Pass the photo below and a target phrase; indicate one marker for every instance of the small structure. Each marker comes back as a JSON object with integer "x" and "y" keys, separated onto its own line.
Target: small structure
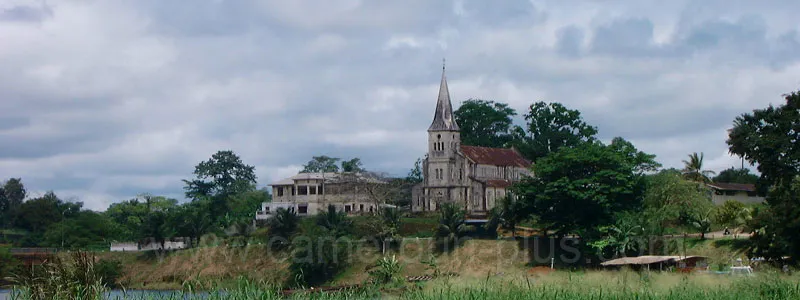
{"x": 124, "y": 247}
{"x": 657, "y": 262}
{"x": 741, "y": 192}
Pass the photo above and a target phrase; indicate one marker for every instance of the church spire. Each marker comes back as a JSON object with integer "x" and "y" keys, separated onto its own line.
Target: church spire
{"x": 443, "y": 119}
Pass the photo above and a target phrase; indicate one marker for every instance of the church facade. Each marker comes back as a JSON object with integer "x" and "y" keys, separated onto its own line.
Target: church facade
{"x": 474, "y": 178}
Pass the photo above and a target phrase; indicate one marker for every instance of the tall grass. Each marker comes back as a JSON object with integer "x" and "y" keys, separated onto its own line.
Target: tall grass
{"x": 70, "y": 277}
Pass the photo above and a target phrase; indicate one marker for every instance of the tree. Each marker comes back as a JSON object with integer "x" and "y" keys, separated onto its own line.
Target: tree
{"x": 768, "y": 138}
{"x": 693, "y": 169}
{"x": 415, "y": 174}
{"x": 642, "y": 162}
{"x": 671, "y": 200}
{"x": 550, "y": 127}
{"x": 12, "y": 194}
{"x": 622, "y": 237}
{"x": 733, "y": 175}
{"x": 282, "y": 226}
{"x": 321, "y": 164}
{"x": 219, "y": 178}
{"x": 36, "y": 214}
{"x": 85, "y": 229}
{"x": 353, "y": 165}
{"x": 733, "y": 214}
{"x": 580, "y": 189}
{"x": 452, "y": 227}
{"x": 484, "y": 123}
{"x": 507, "y": 214}
{"x": 192, "y": 220}
{"x": 702, "y": 222}
{"x": 336, "y": 223}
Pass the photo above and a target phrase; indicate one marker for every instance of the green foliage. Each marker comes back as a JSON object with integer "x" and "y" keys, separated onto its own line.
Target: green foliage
{"x": 452, "y": 227}
{"x": 507, "y": 213}
{"x": 12, "y": 194}
{"x": 223, "y": 176}
{"x": 415, "y": 174}
{"x": 86, "y": 230}
{"x": 703, "y": 222}
{"x": 693, "y": 169}
{"x": 484, "y": 123}
{"x": 36, "y": 214}
{"x": 624, "y": 236}
{"x": 318, "y": 254}
{"x": 281, "y": 227}
{"x": 733, "y": 175}
{"x": 321, "y": 164}
{"x": 580, "y": 189}
{"x": 109, "y": 271}
{"x": 353, "y": 165}
{"x": 768, "y": 138}
{"x": 733, "y": 213}
{"x": 549, "y": 128}
{"x": 670, "y": 201}
{"x": 8, "y": 263}
{"x": 72, "y": 277}
{"x": 387, "y": 270}
{"x": 336, "y": 223}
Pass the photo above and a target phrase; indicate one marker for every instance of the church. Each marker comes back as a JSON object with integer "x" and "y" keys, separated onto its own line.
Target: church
{"x": 474, "y": 178}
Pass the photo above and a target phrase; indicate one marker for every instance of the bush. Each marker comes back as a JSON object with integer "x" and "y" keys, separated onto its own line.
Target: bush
{"x": 387, "y": 271}
{"x": 8, "y": 264}
{"x": 109, "y": 271}
{"x": 318, "y": 255}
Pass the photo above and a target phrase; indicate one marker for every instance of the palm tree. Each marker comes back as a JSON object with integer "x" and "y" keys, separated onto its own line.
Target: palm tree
{"x": 282, "y": 226}
{"x": 693, "y": 169}
{"x": 452, "y": 226}
{"x": 335, "y": 222}
{"x": 391, "y": 226}
{"x": 702, "y": 222}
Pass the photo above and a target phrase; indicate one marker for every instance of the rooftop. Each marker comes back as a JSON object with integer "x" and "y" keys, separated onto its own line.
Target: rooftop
{"x": 747, "y": 187}
{"x": 330, "y": 177}
{"x": 495, "y": 156}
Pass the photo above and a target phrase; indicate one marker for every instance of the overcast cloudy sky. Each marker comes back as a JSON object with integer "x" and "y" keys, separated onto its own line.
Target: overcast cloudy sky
{"x": 101, "y": 100}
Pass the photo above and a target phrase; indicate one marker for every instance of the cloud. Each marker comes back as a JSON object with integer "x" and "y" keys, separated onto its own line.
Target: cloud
{"x": 102, "y": 100}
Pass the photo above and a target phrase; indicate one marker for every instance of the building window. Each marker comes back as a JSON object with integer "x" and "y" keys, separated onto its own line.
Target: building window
{"x": 302, "y": 209}
{"x": 347, "y": 208}
{"x": 292, "y": 190}
{"x": 302, "y": 190}
{"x": 279, "y": 191}
{"x": 312, "y": 190}
{"x": 361, "y": 207}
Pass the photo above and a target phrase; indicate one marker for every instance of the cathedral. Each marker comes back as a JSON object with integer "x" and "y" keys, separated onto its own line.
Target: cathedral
{"x": 474, "y": 178}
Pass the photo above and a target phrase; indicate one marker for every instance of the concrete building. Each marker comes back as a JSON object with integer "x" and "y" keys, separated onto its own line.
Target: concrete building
{"x": 741, "y": 192}
{"x": 474, "y": 178}
{"x": 310, "y": 193}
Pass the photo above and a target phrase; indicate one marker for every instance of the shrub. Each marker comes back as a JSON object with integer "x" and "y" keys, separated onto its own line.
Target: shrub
{"x": 387, "y": 271}
{"x": 109, "y": 271}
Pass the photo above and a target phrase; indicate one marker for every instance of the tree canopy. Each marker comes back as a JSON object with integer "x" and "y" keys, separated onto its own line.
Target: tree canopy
{"x": 485, "y": 123}
{"x": 693, "y": 169}
{"x": 218, "y": 179}
{"x": 321, "y": 163}
{"x": 734, "y": 175}
{"x": 550, "y": 127}
{"x": 578, "y": 189}
{"x": 769, "y": 139}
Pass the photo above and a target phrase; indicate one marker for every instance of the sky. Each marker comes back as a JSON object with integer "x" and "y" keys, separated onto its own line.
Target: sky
{"x": 103, "y": 100}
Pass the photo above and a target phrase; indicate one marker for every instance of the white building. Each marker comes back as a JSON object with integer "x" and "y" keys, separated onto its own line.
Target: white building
{"x": 741, "y": 192}
{"x": 475, "y": 178}
{"x": 310, "y": 193}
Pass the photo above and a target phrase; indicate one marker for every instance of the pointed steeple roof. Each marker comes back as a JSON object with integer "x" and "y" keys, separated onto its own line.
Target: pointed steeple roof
{"x": 443, "y": 119}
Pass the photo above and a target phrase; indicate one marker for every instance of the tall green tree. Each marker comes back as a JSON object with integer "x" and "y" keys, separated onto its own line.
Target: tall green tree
{"x": 693, "y": 169}
{"x": 87, "y": 229}
{"x": 353, "y": 165}
{"x": 321, "y": 163}
{"x": 415, "y": 174}
{"x": 452, "y": 227}
{"x": 220, "y": 178}
{"x": 12, "y": 194}
{"x": 768, "y": 138}
{"x": 549, "y": 128}
{"x": 578, "y": 189}
{"x": 282, "y": 226}
{"x": 734, "y": 175}
{"x": 671, "y": 201}
{"x": 485, "y": 123}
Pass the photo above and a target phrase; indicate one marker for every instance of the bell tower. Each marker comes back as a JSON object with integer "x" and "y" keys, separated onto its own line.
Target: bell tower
{"x": 444, "y": 141}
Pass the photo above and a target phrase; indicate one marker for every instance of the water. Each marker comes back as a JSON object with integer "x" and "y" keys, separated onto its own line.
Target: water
{"x": 131, "y": 294}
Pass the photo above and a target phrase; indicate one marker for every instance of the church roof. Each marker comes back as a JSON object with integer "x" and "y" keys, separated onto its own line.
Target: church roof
{"x": 495, "y": 156}
{"x": 443, "y": 119}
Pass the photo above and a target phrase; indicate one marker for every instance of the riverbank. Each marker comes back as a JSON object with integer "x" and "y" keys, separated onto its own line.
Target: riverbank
{"x": 206, "y": 268}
